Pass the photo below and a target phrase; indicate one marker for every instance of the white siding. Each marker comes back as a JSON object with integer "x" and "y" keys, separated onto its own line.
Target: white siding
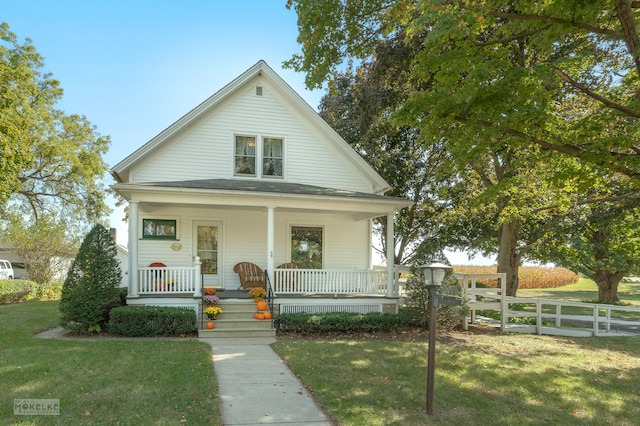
{"x": 205, "y": 150}
{"x": 244, "y": 238}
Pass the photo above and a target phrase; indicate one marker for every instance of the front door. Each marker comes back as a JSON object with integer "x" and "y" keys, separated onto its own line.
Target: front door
{"x": 208, "y": 245}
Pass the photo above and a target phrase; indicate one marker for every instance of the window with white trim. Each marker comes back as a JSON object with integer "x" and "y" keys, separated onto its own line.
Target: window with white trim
{"x": 272, "y": 157}
{"x": 245, "y": 156}
{"x": 306, "y": 246}
{"x": 251, "y": 151}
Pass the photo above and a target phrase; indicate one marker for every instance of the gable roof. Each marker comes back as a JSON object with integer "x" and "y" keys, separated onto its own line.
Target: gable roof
{"x": 261, "y": 68}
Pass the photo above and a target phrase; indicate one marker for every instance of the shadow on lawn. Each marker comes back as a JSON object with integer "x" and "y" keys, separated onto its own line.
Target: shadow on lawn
{"x": 498, "y": 379}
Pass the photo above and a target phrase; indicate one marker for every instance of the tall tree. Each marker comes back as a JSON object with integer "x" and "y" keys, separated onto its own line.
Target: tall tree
{"x": 42, "y": 245}
{"x": 51, "y": 161}
{"x": 581, "y": 100}
{"x": 557, "y": 76}
{"x": 359, "y": 106}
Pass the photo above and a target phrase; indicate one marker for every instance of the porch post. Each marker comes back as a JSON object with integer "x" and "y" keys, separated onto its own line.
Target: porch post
{"x": 133, "y": 248}
{"x": 390, "y": 255}
{"x": 270, "y": 241}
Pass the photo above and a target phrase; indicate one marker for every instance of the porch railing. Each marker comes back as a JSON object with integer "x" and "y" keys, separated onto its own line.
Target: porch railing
{"x": 330, "y": 281}
{"x": 169, "y": 280}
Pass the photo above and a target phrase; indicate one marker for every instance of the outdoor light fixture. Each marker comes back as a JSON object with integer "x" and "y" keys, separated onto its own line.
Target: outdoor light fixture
{"x": 433, "y": 274}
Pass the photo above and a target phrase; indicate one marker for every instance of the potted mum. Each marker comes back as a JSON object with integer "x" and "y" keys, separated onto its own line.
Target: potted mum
{"x": 210, "y": 300}
{"x": 213, "y": 311}
{"x": 257, "y": 293}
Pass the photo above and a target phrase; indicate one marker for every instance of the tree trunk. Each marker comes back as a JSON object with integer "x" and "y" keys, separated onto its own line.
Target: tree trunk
{"x": 508, "y": 258}
{"x": 607, "y": 285}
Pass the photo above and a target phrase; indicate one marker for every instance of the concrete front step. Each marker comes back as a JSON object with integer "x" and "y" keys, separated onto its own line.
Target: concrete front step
{"x": 237, "y": 333}
{"x": 237, "y": 321}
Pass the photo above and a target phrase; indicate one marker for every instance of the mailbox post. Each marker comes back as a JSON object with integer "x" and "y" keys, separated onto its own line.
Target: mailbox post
{"x": 434, "y": 274}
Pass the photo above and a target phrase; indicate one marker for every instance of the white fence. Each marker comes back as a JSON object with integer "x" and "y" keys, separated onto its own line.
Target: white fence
{"x": 168, "y": 280}
{"x": 549, "y": 316}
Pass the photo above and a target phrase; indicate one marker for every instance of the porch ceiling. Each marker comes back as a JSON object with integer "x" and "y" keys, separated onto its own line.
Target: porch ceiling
{"x": 232, "y": 193}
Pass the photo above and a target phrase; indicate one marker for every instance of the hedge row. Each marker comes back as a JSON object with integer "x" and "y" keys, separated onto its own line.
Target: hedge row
{"x": 149, "y": 321}
{"x": 16, "y": 291}
{"x": 342, "y": 322}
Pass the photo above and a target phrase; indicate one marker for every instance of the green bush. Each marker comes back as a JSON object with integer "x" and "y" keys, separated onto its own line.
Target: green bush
{"x": 91, "y": 289}
{"x": 52, "y": 291}
{"x": 341, "y": 322}
{"x": 417, "y": 302}
{"x": 148, "y": 321}
{"x": 16, "y": 291}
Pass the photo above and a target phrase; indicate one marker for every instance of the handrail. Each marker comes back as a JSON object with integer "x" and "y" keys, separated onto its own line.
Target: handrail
{"x": 270, "y": 294}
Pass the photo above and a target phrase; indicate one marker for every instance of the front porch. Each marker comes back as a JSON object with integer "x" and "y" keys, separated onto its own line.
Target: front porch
{"x": 294, "y": 290}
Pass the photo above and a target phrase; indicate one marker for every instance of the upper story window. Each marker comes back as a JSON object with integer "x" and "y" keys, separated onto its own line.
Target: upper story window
{"x": 272, "y": 157}
{"x": 250, "y": 151}
{"x": 245, "y": 157}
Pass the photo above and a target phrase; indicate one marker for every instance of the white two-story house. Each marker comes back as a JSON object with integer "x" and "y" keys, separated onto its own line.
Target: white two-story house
{"x": 253, "y": 174}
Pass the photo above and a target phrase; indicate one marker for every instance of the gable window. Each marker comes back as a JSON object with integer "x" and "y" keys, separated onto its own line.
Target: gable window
{"x": 306, "y": 246}
{"x": 272, "y": 157}
{"x": 245, "y": 156}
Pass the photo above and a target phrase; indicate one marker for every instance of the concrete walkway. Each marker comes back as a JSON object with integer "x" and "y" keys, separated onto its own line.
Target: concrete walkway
{"x": 256, "y": 387}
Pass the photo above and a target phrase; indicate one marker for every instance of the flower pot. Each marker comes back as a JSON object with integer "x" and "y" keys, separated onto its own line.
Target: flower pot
{"x": 210, "y": 325}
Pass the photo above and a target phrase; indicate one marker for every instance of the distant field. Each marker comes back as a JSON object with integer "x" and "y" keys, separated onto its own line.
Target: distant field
{"x": 528, "y": 276}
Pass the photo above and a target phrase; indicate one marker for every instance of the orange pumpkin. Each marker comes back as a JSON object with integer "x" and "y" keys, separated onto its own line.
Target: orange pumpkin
{"x": 267, "y": 315}
{"x": 210, "y": 291}
{"x": 210, "y": 325}
{"x": 256, "y": 315}
{"x": 262, "y": 305}
{"x": 259, "y": 316}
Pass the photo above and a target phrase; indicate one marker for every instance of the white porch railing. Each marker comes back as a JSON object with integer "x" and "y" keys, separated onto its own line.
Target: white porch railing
{"x": 373, "y": 282}
{"x": 169, "y": 280}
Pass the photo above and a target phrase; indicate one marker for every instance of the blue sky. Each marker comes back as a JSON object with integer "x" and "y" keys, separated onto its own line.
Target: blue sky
{"x": 134, "y": 67}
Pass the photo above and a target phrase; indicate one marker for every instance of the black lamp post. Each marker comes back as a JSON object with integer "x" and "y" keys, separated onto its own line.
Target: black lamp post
{"x": 434, "y": 274}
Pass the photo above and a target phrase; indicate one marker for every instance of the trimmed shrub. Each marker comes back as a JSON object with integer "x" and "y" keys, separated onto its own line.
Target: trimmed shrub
{"x": 16, "y": 291}
{"x": 417, "y": 302}
{"x": 91, "y": 289}
{"x": 340, "y": 322}
{"x": 149, "y": 321}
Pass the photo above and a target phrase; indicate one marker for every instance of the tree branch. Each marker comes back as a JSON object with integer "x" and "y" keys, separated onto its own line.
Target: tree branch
{"x": 591, "y": 28}
{"x": 584, "y": 89}
{"x": 570, "y": 150}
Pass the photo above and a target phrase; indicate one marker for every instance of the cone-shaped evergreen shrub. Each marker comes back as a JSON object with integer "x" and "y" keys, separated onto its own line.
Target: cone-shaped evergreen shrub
{"x": 91, "y": 288}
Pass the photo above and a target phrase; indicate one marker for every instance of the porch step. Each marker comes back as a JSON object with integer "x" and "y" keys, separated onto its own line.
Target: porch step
{"x": 237, "y": 321}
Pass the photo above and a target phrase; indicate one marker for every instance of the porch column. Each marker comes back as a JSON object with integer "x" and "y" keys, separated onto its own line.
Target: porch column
{"x": 270, "y": 242}
{"x": 390, "y": 255}
{"x": 133, "y": 249}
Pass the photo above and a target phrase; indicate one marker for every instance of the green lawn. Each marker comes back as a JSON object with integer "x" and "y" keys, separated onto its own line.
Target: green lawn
{"x": 585, "y": 290}
{"x": 484, "y": 378}
{"x": 150, "y": 381}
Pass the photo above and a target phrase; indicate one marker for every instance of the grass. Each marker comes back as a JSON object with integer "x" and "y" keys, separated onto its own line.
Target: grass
{"x": 101, "y": 381}
{"x": 585, "y": 290}
{"x": 485, "y": 378}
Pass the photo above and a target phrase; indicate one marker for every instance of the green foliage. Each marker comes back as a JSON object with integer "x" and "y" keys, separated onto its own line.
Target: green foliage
{"x": 148, "y": 321}
{"x": 418, "y": 298}
{"x": 43, "y": 245}
{"x": 51, "y": 161}
{"x": 91, "y": 288}
{"x": 16, "y": 291}
{"x": 340, "y": 322}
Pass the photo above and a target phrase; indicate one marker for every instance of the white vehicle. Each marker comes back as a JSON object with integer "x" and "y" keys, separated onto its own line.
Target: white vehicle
{"x": 6, "y": 270}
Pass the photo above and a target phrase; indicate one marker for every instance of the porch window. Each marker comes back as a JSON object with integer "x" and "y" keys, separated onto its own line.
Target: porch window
{"x": 272, "y": 157}
{"x": 306, "y": 246}
{"x": 158, "y": 229}
{"x": 245, "y": 156}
